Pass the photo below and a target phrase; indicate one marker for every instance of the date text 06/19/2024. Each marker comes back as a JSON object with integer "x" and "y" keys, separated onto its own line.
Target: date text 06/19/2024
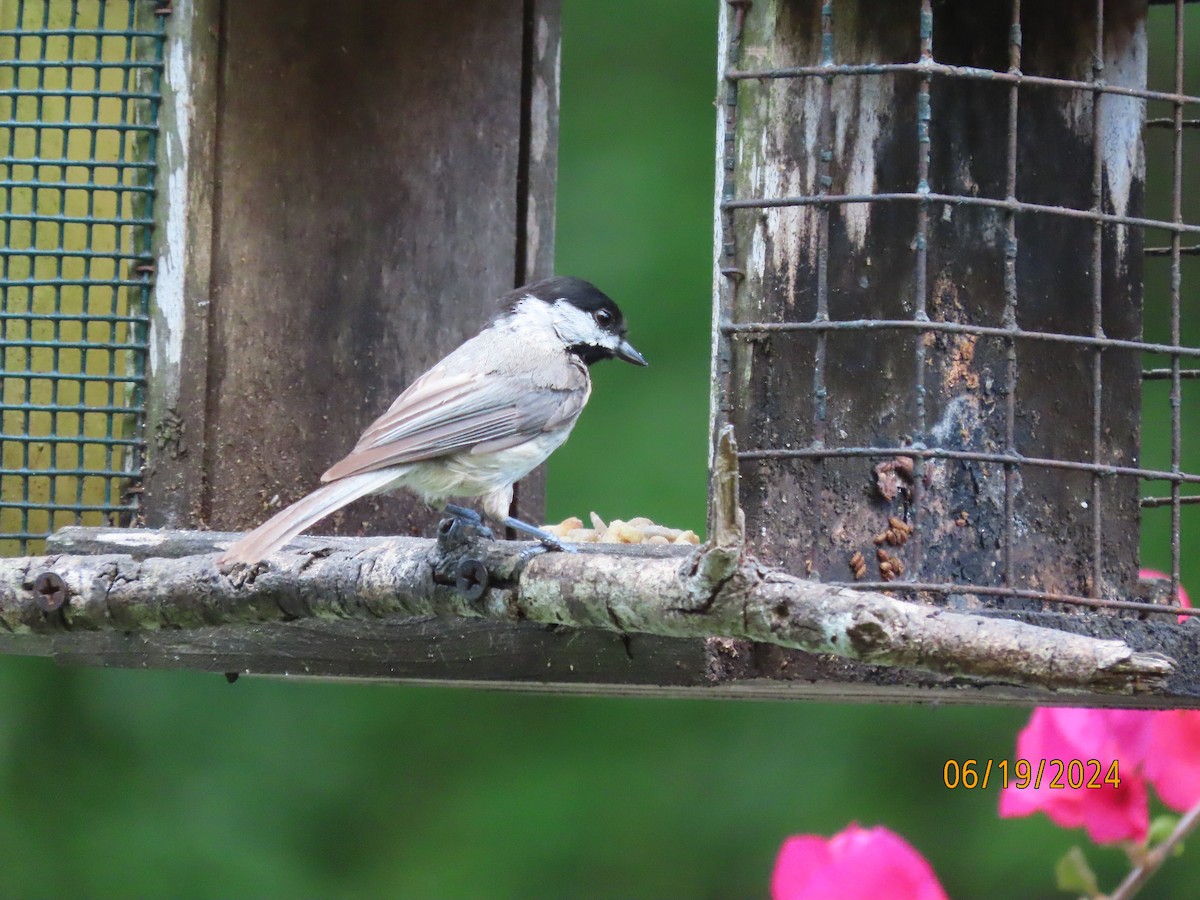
{"x": 1056, "y": 774}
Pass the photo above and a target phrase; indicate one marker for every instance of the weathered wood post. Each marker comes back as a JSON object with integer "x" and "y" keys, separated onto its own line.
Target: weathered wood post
{"x": 345, "y": 188}
{"x": 930, "y": 253}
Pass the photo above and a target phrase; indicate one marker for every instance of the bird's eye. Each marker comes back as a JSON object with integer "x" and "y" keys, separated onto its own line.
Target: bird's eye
{"x": 603, "y": 317}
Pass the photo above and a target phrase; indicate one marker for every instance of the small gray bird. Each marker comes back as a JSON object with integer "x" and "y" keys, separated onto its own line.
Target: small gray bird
{"x": 479, "y": 420}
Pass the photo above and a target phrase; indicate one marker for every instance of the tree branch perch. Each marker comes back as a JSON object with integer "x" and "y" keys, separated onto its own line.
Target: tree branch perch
{"x": 657, "y": 591}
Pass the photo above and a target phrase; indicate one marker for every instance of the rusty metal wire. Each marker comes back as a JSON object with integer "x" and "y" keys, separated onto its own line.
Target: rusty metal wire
{"x": 934, "y": 69}
{"x": 1176, "y": 283}
{"x": 1093, "y": 340}
{"x": 1010, "y": 286}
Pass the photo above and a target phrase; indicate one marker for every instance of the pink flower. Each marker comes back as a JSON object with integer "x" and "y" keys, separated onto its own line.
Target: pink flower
{"x": 1184, "y": 600}
{"x": 1160, "y": 747}
{"x": 1108, "y": 813}
{"x": 855, "y": 864}
{"x": 1172, "y": 760}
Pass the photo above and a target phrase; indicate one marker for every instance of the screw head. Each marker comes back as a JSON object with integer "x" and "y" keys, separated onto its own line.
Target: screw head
{"x": 51, "y": 591}
{"x": 472, "y": 579}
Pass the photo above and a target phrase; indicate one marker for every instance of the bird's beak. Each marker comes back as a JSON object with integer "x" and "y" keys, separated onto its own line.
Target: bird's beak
{"x": 626, "y": 352}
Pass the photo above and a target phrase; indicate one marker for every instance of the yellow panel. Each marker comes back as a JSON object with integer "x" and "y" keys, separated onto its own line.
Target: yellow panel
{"x": 80, "y": 82}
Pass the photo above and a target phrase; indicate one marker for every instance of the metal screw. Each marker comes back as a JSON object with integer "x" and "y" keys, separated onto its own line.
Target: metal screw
{"x": 472, "y": 579}
{"x": 51, "y": 591}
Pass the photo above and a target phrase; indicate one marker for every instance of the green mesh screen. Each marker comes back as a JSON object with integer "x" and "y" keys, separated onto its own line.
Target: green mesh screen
{"x": 79, "y": 89}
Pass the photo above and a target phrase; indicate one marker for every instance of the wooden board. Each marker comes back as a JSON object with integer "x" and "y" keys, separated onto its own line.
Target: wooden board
{"x": 362, "y": 180}
{"x": 539, "y": 658}
{"x": 407, "y": 628}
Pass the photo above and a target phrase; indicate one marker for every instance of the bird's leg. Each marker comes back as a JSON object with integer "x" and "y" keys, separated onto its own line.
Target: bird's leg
{"x": 464, "y": 512}
{"x": 549, "y": 541}
{"x": 496, "y": 506}
{"x": 466, "y": 517}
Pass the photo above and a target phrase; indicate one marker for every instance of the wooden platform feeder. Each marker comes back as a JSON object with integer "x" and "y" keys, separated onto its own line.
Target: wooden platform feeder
{"x": 930, "y": 346}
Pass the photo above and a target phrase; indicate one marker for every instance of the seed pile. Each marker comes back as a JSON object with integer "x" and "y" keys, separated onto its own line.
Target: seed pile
{"x": 636, "y": 531}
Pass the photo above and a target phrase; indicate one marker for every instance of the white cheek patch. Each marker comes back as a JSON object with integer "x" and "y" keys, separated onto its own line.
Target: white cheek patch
{"x": 531, "y": 309}
{"x": 574, "y": 326}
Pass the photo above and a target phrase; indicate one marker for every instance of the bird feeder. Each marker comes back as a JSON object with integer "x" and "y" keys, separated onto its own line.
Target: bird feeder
{"x": 947, "y": 303}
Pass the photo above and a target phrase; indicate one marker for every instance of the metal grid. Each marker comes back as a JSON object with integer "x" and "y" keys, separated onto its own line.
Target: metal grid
{"x": 79, "y": 94}
{"x": 925, "y": 69}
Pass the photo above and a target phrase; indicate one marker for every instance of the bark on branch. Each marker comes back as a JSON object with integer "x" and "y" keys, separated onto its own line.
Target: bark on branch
{"x": 658, "y": 591}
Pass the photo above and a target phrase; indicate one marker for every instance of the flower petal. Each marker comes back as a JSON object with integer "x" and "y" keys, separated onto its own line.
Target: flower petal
{"x": 1056, "y": 736}
{"x": 855, "y": 864}
{"x": 1173, "y": 763}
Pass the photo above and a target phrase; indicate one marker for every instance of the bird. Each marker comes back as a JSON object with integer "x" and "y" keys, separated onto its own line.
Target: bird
{"x": 479, "y": 420}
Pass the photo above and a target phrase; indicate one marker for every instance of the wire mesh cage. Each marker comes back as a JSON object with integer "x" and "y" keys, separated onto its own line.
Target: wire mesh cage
{"x": 79, "y": 92}
{"x": 951, "y": 325}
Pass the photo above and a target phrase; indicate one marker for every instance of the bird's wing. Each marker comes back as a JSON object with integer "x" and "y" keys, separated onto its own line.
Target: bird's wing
{"x": 444, "y": 412}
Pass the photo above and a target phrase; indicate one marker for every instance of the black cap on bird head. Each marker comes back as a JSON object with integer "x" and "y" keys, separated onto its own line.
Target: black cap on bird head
{"x": 587, "y": 298}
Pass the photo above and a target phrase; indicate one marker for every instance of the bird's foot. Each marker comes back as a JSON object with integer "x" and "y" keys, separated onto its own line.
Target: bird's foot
{"x": 468, "y": 524}
{"x": 535, "y": 550}
{"x": 468, "y": 516}
{"x": 549, "y": 541}
{"x": 464, "y": 527}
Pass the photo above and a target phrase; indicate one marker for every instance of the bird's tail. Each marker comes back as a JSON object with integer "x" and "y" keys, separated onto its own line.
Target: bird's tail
{"x": 288, "y": 523}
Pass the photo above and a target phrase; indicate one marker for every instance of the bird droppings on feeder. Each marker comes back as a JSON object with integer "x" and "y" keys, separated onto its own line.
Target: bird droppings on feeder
{"x": 894, "y": 476}
{"x": 890, "y": 567}
{"x": 896, "y": 534}
{"x": 858, "y": 565}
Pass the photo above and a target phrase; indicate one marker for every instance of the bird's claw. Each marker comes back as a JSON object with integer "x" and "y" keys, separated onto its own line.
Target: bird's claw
{"x": 553, "y": 543}
{"x": 545, "y": 546}
{"x": 457, "y": 532}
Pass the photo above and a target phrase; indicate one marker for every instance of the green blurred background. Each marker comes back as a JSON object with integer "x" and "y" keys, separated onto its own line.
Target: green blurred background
{"x": 119, "y": 784}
